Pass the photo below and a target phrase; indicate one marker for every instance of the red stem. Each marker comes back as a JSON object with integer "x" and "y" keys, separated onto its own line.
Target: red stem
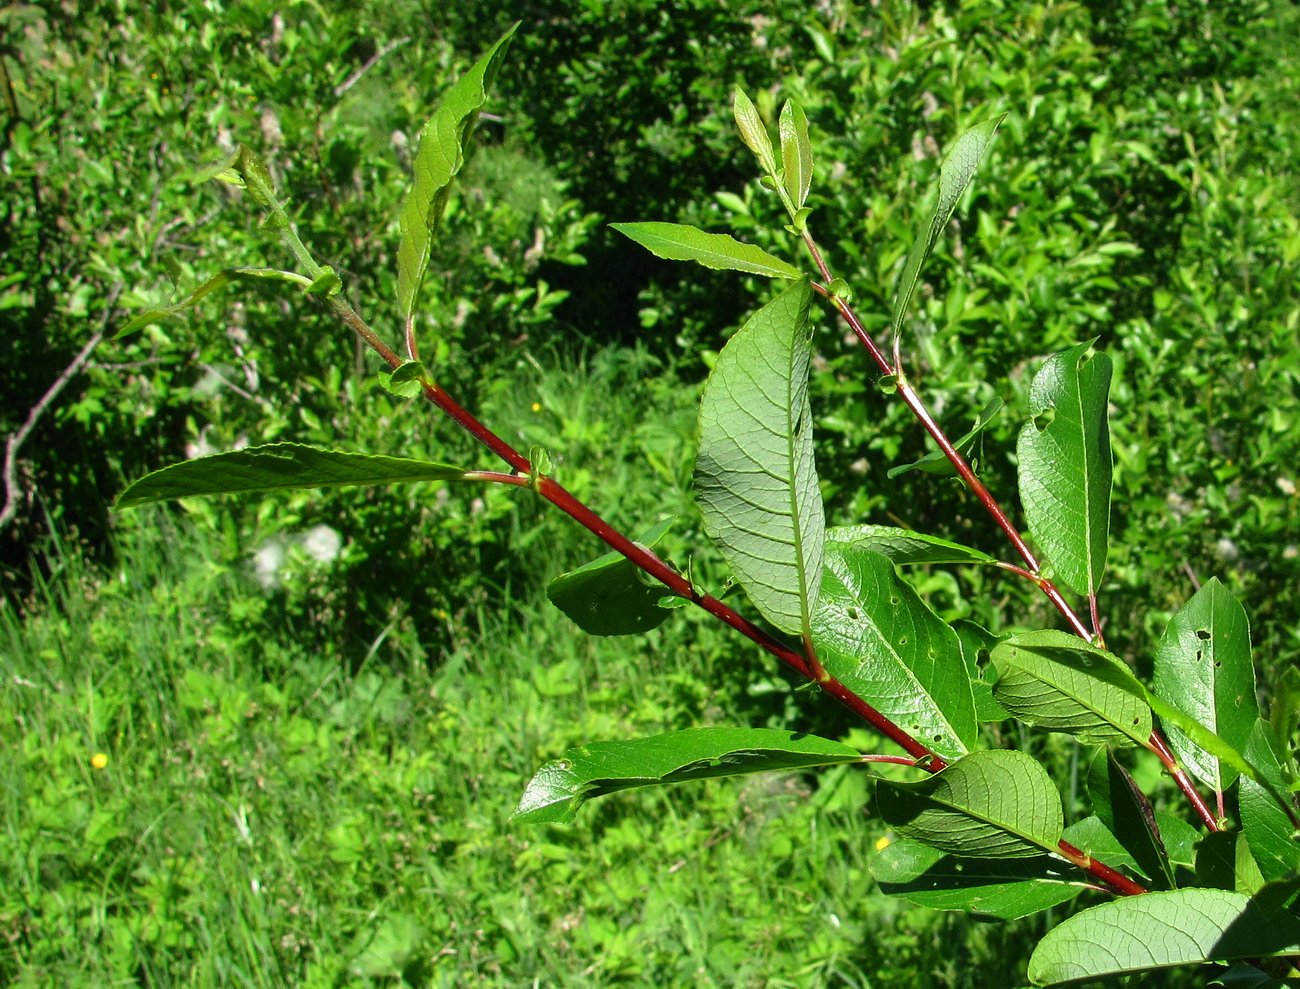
{"x": 1160, "y": 747}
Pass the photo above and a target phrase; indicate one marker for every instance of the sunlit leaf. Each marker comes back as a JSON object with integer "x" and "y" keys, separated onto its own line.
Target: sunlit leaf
{"x": 753, "y": 131}
{"x": 906, "y": 546}
{"x": 1274, "y": 838}
{"x": 220, "y": 279}
{"x": 935, "y": 462}
{"x": 680, "y": 242}
{"x": 755, "y": 480}
{"x": 796, "y": 153}
{"x": 277, "y": 466}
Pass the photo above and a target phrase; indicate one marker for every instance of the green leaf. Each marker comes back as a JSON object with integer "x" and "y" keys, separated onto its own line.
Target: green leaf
{"x": 610, "y": 595}
{"x": 1056, "y": 681}
{"x": 1128, "y": 813}
{"x": 1203, "y": 667}
{"x": 559, "y": 788}
{"x": 1160, "y": 930}
{"x": 796, "y": 153}
{"x": 405, "y": 381}
{"x": 935, "y": 462}
{"x": 388, "y": 947}
{"x": 255, "y": 177}
{"x": 753, "y": 131}
{"x": 681, "y": 242}
{"x": 875, "y": 635}
{"x": 443, "y": 144}
{"x": 1224, "y": 861}
{"x": 1065, "y": 465}
{"x": 279, "y": 465}
{"x": 998, "y": 803}
{"x": 1273, "y": 837}
{"x": 977, "y": 641}
{"x": 955, "y": 174}
{"x": 755, "y": 480}
{"x": 1002, "y": 888}
{"x": 1092, "y": 837}
{"x": 905, "y": 546}
{"x": 220, "y": 279}
{"x": 1284, "y": 712}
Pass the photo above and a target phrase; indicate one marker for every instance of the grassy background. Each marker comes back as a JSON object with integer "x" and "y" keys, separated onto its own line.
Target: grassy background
{"x": 310, "y": 765}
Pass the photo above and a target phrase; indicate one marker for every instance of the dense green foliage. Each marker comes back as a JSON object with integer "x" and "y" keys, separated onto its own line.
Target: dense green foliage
{"x": 302, "y": 762}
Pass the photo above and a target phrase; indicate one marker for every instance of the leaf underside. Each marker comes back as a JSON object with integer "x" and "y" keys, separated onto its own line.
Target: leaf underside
{"x": 610, "y": 595}
{"x": 755, "y": 480}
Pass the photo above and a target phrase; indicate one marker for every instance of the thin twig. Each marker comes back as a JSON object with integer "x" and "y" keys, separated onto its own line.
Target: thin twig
{"x": 371, "y": 62}
{"x": 16, "y": 440}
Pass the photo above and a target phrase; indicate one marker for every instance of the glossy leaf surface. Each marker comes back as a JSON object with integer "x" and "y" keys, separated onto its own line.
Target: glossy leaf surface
{"x": 1065, "y": 465}
{"x": 796, "y": 153}
{"x": 1274, "y": 838}
{"x": 681, "y": 242}
{"x": 1160, "y": 930}
{"x": 755, "y": 480}
{"x": 611, "y": 595}
{"x": 279, "y": 465}
{"x": 559, "y": 788}
{"x": 877, "y": 637}
{"x": 441, "y": 154}
{"x": 1056, "y": 681}
{"x": 998, "y": 803}
{"x": 1203, "y": 667}
{"x": 753, "y": 131}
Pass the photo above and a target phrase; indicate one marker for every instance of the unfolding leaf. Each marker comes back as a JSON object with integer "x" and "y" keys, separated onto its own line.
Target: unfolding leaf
{"x": 955, "y": 174}
{"x": 681, "y": 242}
{"x": 1001, "y": 888}
{"x": 1203, "y": 667}
{"x": 755, "y": 480}
{"x": 1065, "y": 465}
{"x": 997, "y": 803}
{"x": 441, "y": 154}
{"x": 279, "y": 465}
{"x": 875, "y": 635}
{"x": 1054, "y": 680}
{"x": 753, "y": 131}
{"x": 559, "y": 788}
{"x": 1160, "y": 930}
{"x": 220, "y": 279}
{"x": 906, "y": 546}
{"x": 796, "y": 153}
{"x": 611, "y": 595}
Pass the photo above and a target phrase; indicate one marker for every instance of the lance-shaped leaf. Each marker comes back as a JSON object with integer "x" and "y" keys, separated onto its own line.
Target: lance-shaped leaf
{"x": 1125, "y": 810}
{"x": 755, "y": 480}
{"x": 1161, "y": 930}
{"x": 875, "y": 635}
{"x": 996, "y": 803}
{"x": 905, "y": 546}
{"x": 1274, "y": 837}
{"x": 1065, "y": 465}
{"x": 753, "y": 131}
{"x": 611, "y": 595}
{"x": 681, "y": 242}
{"x": 440, "y": 157}
{"x": 935, "y": 462}
{"x": 1001, "y": 888}
{"x": 279, "y": 465}
{"x": 559, "y": 788}
{"x": 1203, "y": 667}
{"x": 1054, "y": 680}
{"x": 796, "y": 153}
{"x": 955, "y": 174}
{"x": 220, "y": 279}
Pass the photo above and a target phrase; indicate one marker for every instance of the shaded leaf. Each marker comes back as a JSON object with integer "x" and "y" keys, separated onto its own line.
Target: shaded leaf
{"x": 976, "y": 642}
{"x": 681, "y": 242}
{"x": 875, "y": 635}
{"x": 1001, "y": 888}
{"x": 440, "y": 156}
{"x": 1160, "y": 930}
{"x": 1056, "y": 681}
{"x": 1203, "y": 667}
{"x": 1129, "y": 815}
{"x": 279, "y": 465}
{"x": 992, "y": 804}
{"x": 906, "y": 546}
{"x": 559, "y": 788}
{"x": 755, "y": 480}
{"x": 611, "y": 595}
{"x": 1065, "y": 465}
{"x": 955, "y": 175}
{"x": 1224, "y": 861}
